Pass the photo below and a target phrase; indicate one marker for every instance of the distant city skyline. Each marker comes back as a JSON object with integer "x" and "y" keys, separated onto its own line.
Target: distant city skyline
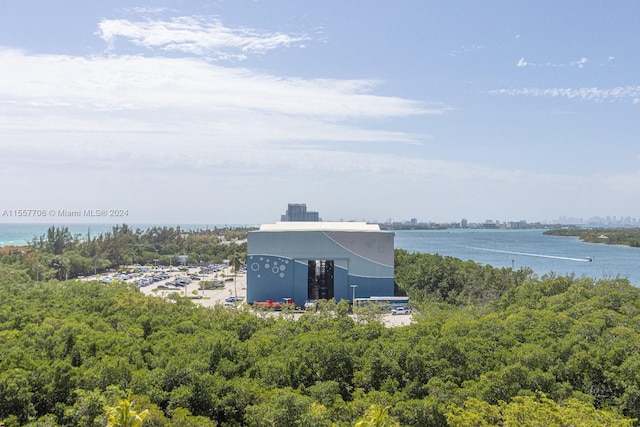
{"x": 503, "y": 223}
{"x": 300, "y": 212}
{"x": 595, "y": 220}
{"x": 223, "y": 112}
{"x": 293, "y": 212}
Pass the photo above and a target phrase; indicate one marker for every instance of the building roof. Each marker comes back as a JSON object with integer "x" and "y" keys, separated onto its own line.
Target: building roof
{"x": 319, "y": 226}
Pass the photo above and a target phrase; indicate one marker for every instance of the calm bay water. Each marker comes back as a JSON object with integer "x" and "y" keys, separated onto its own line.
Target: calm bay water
{"x": 527, "y": 248}
{"x": 500, "y": 248}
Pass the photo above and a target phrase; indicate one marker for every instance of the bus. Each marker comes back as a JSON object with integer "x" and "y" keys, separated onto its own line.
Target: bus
{"x": 388, "y": 303}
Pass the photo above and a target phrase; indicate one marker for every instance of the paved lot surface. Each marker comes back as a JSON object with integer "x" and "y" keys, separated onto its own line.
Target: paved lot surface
{"x": 235, "y": 286}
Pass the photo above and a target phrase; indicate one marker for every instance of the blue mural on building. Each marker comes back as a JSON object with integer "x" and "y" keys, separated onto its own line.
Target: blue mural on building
{"x": 279, "y": 257}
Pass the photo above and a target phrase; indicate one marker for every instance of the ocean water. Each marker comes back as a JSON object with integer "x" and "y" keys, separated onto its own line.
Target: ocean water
{"x": 22, "y": 234}
{"x": 499, "y": 248}
{"x": 527, "y": 248}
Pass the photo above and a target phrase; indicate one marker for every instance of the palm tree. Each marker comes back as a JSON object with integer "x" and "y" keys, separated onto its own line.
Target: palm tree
{"x": 123, "y": 415}
{"x": 377, "y": 416}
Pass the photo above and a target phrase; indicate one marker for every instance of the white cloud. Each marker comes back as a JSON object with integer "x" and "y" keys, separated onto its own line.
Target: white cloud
{"x": 620, "y": 93}
{"x": 465, "y": 50}
{"x": 141, "y": 10}
{"x": 196, "y": 35}
{"x": 161, "y": 120}
{"x": 196, "y": 177}
{"x": 145, "y": 90}
{"x": 110, "y": 111}
{"x": 165, "y": 130}
{"x": 579, "y": 63}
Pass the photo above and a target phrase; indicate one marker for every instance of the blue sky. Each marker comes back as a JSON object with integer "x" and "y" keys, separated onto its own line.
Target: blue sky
{"x": 225, "y": 111}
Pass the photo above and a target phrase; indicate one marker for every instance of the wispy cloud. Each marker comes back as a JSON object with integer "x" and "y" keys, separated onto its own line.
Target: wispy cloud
{"x": 195, "y": 160}
{"x": 464, "y": 49}
{"x": 578, "y": 63}
{"x": 594, "y": 94}
{"x": 196, "y": 35}
{"x": 142, "y": 10}
{"x": 92, "y": 107}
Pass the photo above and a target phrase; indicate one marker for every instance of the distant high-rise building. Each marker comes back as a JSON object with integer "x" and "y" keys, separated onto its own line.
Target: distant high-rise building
{"x": 463, "y": 223}
{"x": 518, "y": 225}
{"x": 298, "y": 212}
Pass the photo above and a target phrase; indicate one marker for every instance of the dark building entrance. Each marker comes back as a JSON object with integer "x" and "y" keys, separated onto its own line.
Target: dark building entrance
{"x": 320, "y": 279}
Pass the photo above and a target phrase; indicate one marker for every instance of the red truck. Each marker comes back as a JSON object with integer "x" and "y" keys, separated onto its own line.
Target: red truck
{"x": 275, "y": 305}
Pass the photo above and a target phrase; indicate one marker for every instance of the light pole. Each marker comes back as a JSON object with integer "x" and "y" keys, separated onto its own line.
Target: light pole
{"x": 235, "y": 286}
{"x": 353, "y": 298}
{"x": 235, "y": 272}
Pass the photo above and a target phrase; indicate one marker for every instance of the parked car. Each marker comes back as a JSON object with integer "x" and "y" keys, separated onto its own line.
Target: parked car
{"x": 233, "y": 299}
{"x": 310, "y": 303}
{"x": 275, "y": 305}
{"x": 401, "y": 310}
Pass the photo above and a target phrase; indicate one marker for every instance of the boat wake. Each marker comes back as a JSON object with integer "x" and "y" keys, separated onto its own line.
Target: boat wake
{"x": 587, "y": 259}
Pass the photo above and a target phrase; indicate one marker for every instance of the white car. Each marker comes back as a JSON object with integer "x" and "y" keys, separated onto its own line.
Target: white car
{"x": 401, "y": 310}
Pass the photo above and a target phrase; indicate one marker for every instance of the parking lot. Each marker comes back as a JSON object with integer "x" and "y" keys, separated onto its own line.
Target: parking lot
{"x": 169, "y": 280}
{"x": 185, "y": 281}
